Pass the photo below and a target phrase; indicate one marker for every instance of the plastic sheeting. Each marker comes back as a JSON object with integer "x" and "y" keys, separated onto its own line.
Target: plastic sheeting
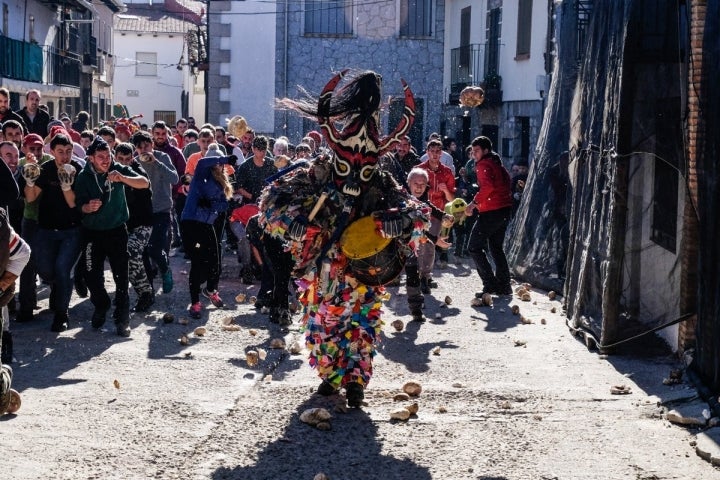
{"x": 601, "y": 229}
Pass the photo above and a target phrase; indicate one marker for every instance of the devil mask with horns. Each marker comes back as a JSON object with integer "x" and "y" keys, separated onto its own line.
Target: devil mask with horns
{"x": 357, "y": 146}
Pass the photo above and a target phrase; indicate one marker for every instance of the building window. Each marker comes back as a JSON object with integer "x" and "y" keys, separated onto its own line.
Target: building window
{"x": 167, "y": 116}
{"x": 146, "y": 64}
{"x": 492, "y": 36}
{"x": 524, "y": 29}
{"x": 416, "y": 18}
{"x": 328, "y": 17}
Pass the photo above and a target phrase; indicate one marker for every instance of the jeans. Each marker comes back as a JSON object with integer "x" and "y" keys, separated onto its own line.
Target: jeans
{"x": 156, "y": 251}
{"x": 55, "y": 262}
{"x": 488, "y": 233}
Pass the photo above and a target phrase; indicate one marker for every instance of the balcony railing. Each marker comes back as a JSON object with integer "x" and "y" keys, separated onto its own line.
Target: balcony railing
{"x": 467, "y": 65}
{"x": 21, "y": 60}
{"x": 40, "y": 64}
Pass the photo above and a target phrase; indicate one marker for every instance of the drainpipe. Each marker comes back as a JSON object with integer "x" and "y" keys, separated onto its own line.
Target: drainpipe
{"x": 285, "y": 68}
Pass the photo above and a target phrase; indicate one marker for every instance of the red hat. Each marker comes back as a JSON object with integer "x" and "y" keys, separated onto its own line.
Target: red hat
{"x": 58, "y": 129}
{"x": 315, "y": 135}
{"x": 33, "y": 140}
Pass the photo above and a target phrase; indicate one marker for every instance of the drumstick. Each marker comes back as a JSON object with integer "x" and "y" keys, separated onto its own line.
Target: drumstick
{"x": 317, "y": 206}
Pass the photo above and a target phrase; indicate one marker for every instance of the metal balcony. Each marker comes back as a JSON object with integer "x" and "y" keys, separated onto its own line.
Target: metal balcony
{"x": 469, "y": 66}
{"x": 33, "y": 63}
{"x": 466, "y": 66}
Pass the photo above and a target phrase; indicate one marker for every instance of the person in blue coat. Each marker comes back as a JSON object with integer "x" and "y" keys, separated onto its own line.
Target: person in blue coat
{"x": 208, "y": 195}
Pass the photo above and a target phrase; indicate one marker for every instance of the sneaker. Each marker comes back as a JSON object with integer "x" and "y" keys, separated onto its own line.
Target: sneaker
{"x": 145, "y": 301}
{"x": 123, "y": 329}
{"x": 167, "y": 281}
{"x": 60, "y": 323}
{"x": 432, "y": 283}
{"x": 214, "y": 297}
{"x": 195, "y": 310}
{"x": 354, "y": 394}
{"x": 506, "y": 290}
{"x": 98, "y": 318}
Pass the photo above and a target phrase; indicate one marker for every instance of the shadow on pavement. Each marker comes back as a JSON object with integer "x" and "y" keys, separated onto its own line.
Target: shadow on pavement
{"x": 351, "y": 450}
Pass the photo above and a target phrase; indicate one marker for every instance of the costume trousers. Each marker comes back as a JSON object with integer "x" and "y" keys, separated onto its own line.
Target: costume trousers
{"x": 138, "y": 239}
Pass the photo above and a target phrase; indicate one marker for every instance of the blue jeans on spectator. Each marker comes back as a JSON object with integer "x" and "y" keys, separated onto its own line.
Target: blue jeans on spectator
{"x": 55, "y": 262}
{"x": 156, "y": 251}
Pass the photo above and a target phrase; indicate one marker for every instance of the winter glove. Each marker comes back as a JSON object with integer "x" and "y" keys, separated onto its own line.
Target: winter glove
{"x": 31, "y": 172}
{"x": 66, "y": 175}
{"x": 297, "y": 229}
{"x": 147, "y": 157}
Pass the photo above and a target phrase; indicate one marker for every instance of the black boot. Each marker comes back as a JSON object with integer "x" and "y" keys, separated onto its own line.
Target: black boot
{"x": 424, "y": 286}
{"x": 326, "y": 389}
{"x": 354, "y": 394}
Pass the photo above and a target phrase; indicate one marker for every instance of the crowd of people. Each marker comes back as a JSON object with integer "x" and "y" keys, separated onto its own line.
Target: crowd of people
{"x": 85, "y": 193}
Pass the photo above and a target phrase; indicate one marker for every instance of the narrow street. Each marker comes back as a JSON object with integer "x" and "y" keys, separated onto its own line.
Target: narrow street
{"x": 500, "y": 399}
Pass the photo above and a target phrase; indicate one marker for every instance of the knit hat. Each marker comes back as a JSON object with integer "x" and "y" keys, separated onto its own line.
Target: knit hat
{"x": 97, "y": 144}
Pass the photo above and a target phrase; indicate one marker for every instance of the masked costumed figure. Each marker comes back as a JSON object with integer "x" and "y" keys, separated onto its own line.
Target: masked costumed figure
{"x": 342, "y": 228}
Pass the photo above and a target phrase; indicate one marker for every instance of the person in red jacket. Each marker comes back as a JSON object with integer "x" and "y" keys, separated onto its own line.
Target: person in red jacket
{"x": 493, "y": 204}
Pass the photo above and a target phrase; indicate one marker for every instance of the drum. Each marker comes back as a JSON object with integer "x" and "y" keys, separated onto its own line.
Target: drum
{"x": 372, "y": 259}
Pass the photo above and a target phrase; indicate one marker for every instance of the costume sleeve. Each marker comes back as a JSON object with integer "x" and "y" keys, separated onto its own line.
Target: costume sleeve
{"x": 19, "y": 254}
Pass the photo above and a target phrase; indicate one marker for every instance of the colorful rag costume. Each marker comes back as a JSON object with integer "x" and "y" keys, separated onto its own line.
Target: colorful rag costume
{"x": 307, "y": 211}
